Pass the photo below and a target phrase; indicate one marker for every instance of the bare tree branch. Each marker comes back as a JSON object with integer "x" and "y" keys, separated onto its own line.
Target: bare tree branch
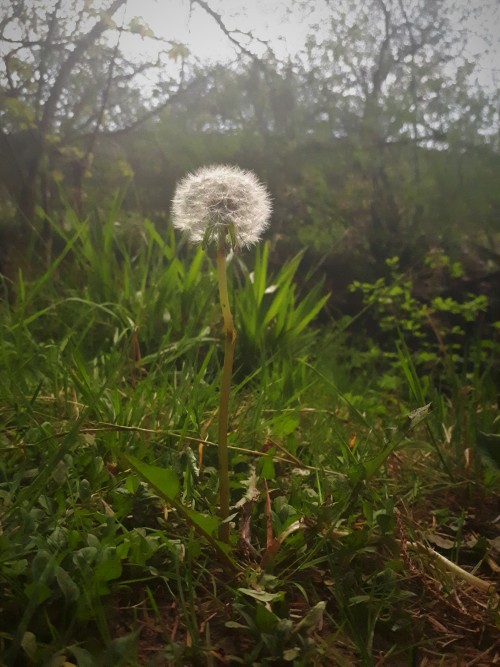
{"x": 46, "y": 46}
{"x": 152, "y": 112}
{"x": 382, "y": 69}
{"x": 230, "y": 34}
{"x": 104, "y": 99}
{"x": 64, "y": 73}
{"x": 413, "y": 89}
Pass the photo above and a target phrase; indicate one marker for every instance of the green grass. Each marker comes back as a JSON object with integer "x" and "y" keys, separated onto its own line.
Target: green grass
{"x": 110, "y": 361}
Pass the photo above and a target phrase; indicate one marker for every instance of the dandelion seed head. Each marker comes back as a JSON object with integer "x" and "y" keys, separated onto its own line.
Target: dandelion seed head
{"x": 221, "y": 201}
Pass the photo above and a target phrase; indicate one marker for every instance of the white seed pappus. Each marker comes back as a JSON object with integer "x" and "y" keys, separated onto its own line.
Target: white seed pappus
{"x": 221, "y": 200}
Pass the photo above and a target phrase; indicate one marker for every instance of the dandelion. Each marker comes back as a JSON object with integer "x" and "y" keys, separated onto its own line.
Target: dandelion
{"x": 228, "y": 206}
{"x": 221, "y": 200}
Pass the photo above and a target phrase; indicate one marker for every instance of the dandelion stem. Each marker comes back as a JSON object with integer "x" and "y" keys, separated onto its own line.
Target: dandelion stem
{"x": 225, "y": 387}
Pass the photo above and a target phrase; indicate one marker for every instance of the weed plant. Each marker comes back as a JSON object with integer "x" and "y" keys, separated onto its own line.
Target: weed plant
{"x": 348, "y": 481}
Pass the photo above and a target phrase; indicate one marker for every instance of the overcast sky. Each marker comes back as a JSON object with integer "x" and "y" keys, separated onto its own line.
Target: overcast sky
{"x": 267, "y": 19}
{"x": 286, "y": 29}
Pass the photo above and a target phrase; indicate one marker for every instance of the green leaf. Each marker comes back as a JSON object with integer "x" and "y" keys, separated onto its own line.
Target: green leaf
{"x": 488, "y": 447}
{"x": 260, "y": 273}
{"x": 291, "y": 653}
{"x": 261, "y": 596}
{"x": 43, "y": 567}
{"x": 313, "y": 617}
{"x": 306, "y": 312}
{"x": 205, "y": 523}
{"x": 166, "y": 485}
{"x": 138, "y": 27}
{"x": 84, "y": 658}
{"x": 419, "y": 415}
{"x": 194, "y": 272}
{"x": 276, "y": 305}
{"x": 85, "y": 556}
{"x": 178, "y": 50}
{"x": 68, "y": 587}
{"x": 235, "y": 625}
{"x": 163, "y": 480}
{"x": 109, "y": 567}
{"x": 29, "y": 645}
{"x": 266, "y": 465}
{"x": 285, "y": 424}
{"x": 265, "y": 620}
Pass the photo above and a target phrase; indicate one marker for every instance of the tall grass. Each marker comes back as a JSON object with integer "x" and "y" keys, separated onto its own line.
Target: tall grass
{"x": 108, "y": 478}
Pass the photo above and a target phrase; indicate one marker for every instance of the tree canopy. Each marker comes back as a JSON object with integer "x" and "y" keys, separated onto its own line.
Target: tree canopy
{"x": 375, "y": 137}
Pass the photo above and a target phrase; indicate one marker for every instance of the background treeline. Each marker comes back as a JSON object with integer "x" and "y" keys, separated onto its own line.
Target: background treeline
{"x": 376, "y": 139}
